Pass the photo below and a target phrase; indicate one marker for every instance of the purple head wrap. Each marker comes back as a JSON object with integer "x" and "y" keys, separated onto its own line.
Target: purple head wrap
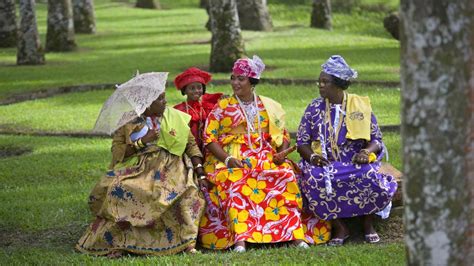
{"x": 337, "y": 66}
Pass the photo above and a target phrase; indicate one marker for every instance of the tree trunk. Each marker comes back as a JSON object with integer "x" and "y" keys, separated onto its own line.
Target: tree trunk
{"x": 84, "y": 17}
{"x": 392, "y": 24}
{"x": 227, "y": 44}
{"x": 150, "y": 4}
{"x": 253, "y": 15}
{"x": 29, "y": 50}
{"x": 60, "y": 33}
{"x": 321, "y": 15}
{"x": 437, "y": 73}
{"x": 204, "y": 4}
{"x": 8, "y": 27}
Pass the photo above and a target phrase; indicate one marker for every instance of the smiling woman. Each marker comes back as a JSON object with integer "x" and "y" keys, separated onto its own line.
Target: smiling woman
{"x": 255, "y": 197}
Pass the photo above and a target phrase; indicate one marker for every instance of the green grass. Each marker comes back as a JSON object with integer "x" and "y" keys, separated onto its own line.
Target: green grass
{"x": 44, "y": 212}
{"x": 49, "y": 186}
{"x": 44, "y": 193}
{"x": 385, "y": 254}
{"x": 77, "y": 112}
{"x": 173, "y": 39}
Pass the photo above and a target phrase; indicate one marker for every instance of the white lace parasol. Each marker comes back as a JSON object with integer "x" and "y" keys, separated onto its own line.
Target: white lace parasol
{"x": 130, "y": 100}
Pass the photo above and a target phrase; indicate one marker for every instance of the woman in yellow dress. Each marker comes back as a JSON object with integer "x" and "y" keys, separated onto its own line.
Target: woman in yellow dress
{"x": 149, "y": 201}
{"x": 255, "y": 198}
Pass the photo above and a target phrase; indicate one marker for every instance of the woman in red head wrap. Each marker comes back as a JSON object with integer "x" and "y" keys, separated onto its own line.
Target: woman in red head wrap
{"x": 192, "y": 83}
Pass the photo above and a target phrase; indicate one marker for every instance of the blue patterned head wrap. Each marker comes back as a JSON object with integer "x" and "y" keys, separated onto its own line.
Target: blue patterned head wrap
{"x": 337, "y": 66}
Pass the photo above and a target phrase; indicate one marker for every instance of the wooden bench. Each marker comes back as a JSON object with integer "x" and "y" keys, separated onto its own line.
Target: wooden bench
{"x": 389, "y": 169}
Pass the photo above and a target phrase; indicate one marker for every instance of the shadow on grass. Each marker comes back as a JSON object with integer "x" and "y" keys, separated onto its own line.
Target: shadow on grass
{"x": 62, "y": 238}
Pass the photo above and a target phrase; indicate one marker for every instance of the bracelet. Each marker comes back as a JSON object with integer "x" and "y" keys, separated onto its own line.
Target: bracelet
{"x": 226, "y": 161}
{"x": 203, "y": 177}
{"x": 136, "y": 145}
{"x": 140, "y": 143}
{"x": 312, "y": 157}
{"x": 198, "y": 166}
{"x": 365, "y": 151}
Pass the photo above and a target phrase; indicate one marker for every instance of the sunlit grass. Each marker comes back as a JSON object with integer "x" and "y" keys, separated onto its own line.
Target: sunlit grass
{"x": 175, "y": 38}
{"x": 44, "y": 193}
{"x": 77, "y": 112}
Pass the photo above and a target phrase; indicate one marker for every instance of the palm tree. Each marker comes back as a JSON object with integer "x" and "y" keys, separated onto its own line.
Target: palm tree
{"x": 60, "y": 32}
{"x": 227, "y": 44}
{"x": 321, "y": 15}
{"x": 8, "y": 27}
{"x": 29, "y": 50}
{"x": 84, "y": 17}
{"x": 254, "y": 15}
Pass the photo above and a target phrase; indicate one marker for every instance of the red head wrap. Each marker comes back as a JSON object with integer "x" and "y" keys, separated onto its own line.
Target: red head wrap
{"x": 190, "y": 75}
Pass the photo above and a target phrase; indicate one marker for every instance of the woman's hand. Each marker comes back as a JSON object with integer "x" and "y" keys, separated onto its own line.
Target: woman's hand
{"x": 280, "y": 157}
{"x": 205, "y": 183}
{"x": 361, "y": 157}
{"x": 150, "y": 136}
{"x": 318, "y": 160}
{"x": 234, "y": 163}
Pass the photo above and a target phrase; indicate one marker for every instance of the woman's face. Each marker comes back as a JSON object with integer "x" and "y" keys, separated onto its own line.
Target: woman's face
{"x": 241, "y": 85}
{"x": 326, "y": 86}
{"x": 158, "y": 106}
{"x": 194, "y": 91}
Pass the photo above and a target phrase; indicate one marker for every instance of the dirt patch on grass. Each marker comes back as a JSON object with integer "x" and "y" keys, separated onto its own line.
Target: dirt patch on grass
{"x": 11, "y": 150}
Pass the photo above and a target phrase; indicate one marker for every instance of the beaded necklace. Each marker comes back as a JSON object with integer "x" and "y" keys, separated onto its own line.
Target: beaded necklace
{"x": 250, "y": 127}
{"x": 334, "y": 134}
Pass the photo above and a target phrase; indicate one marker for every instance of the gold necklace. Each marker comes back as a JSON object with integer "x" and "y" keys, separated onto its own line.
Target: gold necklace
{"x": 334, "y": 134}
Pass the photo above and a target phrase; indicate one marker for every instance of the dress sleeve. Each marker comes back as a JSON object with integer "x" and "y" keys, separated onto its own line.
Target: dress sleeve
{"x": 192, "y": 148}
{"x": 303, "y": 135}
{"x": 211, "y": 131}
{"x": 120, "y": 140}
{"x": 375, "y": 133}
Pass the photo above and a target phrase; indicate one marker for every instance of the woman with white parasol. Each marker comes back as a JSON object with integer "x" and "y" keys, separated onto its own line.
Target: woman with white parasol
{"x": 149, "y": 201}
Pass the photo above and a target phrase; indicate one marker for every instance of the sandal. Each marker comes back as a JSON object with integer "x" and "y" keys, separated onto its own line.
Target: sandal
{"x": 372, "y": 238}
{"x": 302, "y": 245}
{"x": 337, "y": 242}
{"x": 239, "y": 249}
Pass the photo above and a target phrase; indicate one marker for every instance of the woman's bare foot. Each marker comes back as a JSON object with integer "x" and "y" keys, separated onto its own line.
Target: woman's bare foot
{"x": 115, "y": 254}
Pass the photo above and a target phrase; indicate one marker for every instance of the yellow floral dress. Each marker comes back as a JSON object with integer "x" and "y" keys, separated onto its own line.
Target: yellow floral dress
{"x": 148, "y": 203}
{"x": 260, "y": 203}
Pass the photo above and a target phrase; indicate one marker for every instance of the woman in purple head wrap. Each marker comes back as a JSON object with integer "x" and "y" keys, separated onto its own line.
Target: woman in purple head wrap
{"x": 341, "y": 148}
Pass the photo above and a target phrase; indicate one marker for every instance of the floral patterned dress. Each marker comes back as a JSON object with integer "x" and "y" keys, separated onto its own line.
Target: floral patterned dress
{"x": 342, "y": 189}
{"x": 259, "y": 203}
{"x": 153, "y": 192}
